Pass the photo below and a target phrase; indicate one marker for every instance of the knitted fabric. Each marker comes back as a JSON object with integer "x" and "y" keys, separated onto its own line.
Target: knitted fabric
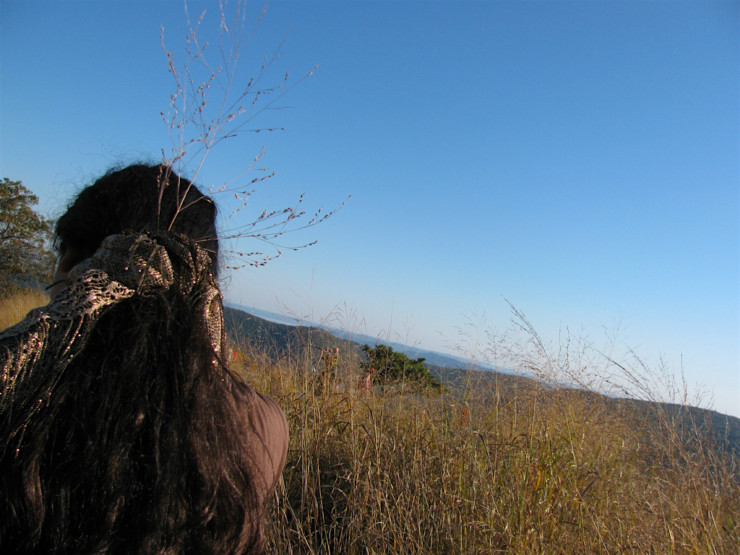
{"x": 35, "y": 353}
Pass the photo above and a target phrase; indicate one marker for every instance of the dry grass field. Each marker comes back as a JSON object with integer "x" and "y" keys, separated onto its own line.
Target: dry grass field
{"x": 13, "y": 308}
{"x": 539, "y": 470}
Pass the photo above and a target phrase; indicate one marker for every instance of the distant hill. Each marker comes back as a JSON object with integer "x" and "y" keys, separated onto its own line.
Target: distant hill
{"x": 294, "y": 327}
{"x": 283, "y": 340}
{"x": 432, "y": 358}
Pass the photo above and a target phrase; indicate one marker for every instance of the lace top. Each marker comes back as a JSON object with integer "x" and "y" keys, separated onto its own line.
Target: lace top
{"x": 35, "y": 353}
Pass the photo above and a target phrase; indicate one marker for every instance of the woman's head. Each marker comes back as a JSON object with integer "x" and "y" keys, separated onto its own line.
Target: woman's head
{"x": 138, "y": 198}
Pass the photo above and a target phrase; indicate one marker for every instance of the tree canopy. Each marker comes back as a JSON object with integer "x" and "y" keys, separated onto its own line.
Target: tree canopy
{"x": 25, "y": 259}
{"x": 388, "y": 366}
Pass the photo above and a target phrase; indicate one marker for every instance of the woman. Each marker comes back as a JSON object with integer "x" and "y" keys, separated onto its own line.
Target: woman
{"x": 122, "y": 429}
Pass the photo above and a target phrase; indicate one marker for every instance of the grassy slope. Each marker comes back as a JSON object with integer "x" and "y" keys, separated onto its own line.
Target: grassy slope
{"x": 15, "y": 307}
{"x": 279, "y": 340}
{"x": 496, "y": 464}
{"x": 476, "y": 471}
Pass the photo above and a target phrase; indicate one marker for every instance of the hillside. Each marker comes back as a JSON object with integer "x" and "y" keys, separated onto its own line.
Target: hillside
{"x": 307, "y": 342}
{"x": 278, "y": 341}
{"x": 282, "y": 338}
{"x": 497, "y": 464}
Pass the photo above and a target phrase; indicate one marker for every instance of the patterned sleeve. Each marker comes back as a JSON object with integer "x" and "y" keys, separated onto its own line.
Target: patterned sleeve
{"x": 35, "y": 352}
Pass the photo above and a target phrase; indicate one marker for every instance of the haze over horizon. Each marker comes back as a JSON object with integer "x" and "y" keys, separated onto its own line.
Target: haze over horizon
{"x": 579, "y": 160}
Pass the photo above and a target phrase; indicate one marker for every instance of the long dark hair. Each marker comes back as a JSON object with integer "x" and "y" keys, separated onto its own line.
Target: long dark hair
{"x": 142, "y": 446}
{"x": 137, "y": 198}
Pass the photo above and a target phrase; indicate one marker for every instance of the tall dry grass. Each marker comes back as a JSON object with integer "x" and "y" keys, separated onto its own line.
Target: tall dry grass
{"x": 14, "y": 308}
{"x": 476, "y": 470}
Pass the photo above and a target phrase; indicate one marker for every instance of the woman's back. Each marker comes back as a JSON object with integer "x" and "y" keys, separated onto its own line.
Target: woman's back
{"x": 125, "y": 430}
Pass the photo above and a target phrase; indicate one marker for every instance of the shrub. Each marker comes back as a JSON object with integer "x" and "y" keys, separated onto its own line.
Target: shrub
{"x": 389, "y": 367}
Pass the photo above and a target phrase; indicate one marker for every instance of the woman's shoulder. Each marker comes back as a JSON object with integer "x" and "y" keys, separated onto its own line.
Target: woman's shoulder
{"x": 269, "y": 438}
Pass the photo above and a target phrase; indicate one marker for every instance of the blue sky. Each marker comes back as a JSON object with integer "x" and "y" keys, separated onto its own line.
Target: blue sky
{"x": 579, "y": 159}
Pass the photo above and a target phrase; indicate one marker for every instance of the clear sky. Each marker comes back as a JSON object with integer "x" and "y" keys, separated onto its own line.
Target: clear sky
{"x": 579, "y": 159}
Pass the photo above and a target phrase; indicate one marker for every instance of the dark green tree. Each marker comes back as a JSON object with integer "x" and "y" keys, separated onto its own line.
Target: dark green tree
{"x": 25, "y": 260}
{"x": 388, "y": 366}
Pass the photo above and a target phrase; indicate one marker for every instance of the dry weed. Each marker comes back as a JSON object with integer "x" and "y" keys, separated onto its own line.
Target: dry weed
{"x": 14, "y": 308}
{"x": 486, "y": 470}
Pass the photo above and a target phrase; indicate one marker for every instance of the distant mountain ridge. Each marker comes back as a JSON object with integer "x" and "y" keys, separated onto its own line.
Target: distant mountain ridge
{"x": 281, "y": 339}
{"x": 432, "y": 358}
